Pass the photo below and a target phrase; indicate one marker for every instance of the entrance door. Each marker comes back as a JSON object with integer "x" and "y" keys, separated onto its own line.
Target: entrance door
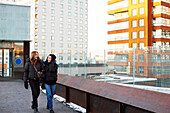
{"x": 6, "y": 62}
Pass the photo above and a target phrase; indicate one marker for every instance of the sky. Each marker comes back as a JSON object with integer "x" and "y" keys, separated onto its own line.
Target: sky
{"x": 97, "y": 24}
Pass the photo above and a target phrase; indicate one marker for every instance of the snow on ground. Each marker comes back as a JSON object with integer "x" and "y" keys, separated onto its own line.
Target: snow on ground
{"x": 71, "y": 105}
{"x": 122, "y": 79}
{"x": 152, "y": 88}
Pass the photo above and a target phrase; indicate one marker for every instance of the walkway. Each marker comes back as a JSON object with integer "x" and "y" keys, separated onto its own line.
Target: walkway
{"x": 14, "y": 98}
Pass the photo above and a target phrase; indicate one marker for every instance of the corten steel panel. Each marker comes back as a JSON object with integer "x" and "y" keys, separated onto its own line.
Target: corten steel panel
{"x": 77, "y": 97}
{"x": 60, "y": 90}
{"x": 161, "y": 39}
{"x": 103, "y": 105}
{"x": 144, "y": 99}
{"x": 131, "y": 109}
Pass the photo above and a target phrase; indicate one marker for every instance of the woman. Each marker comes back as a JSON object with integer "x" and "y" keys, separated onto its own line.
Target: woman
{"x": 50, "y": 78}
{"x": 33, "y": 65}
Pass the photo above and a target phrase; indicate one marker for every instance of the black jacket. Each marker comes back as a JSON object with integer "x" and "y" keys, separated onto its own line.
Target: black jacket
{"x": 50, "y": 73}
{"x": 29, "y": 70}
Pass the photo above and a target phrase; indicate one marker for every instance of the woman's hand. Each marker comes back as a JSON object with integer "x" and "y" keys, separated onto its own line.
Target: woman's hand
{"x": 26, "y": 85}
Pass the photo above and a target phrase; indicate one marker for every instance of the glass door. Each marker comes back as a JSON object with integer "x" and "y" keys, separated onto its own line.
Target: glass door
{"x": 6, "y": 62}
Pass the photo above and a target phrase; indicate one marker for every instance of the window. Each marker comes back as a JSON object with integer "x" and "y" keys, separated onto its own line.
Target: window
{"x": 43, "y": 44}
{"x": 134, "y": 45}
{"x": 81, "y": 45}
{"x": 76, "y": 8}
{"x": 75, "y": 27}
{"x": 75, "y": 21}
{"x": 141, "y": 22}
{"x": 43, "y": 23}
{"x": 52, "y": 4}
{"x": 52, "y": 11}
{"x": 141, "y": 46}
{"x": 69, "y": 26}
{"x": 52, "y": 44}
{"x": 81, "y": 39}
{"x": 69, "y": 13}
{"x": 141, "y": 58}
{"x": 75, "y": 2}
{"x": 133, "y": 2}
{"x": 52, "y": 18}
{"x": 69, "y": 32}
{"x": 52, "y": 38}
{"x": 43, "y": 10}
{"x": 134, "y": 12}
{"x": 43, "y": 37}
{"x": 61, "y": 25}
{"x": 52, "y": 24}
{"x": 81, "y": 27}
{"x": 141, "y": 70}
{"x": 69, "y": 20}
{"x": 75, "y": 33}
{"x": 43, "y": 50}
{"x": 75, "y": 14}
{"x": 141, "y": 1}
{"x": 75, "y": 45}
{"x": 69, "y": 1}
{"x": 69, "y": 39}
{"x": 81, "y": 9}
{"x": 52, "y": 31}
{"x": 44, "y": 3}
{"x": 36, "y": 37}
{"x": 61, "y": 12}
{"x": 75, "y": 51}
{"x": 141, "y": 10}
{"x": 81, "y": 21}
{"x": 81, "y": 58}
{"x": 61, "y": 6}
{"x": 81, "y": 52}
{"x": 43, "y": 16}
{"x": 134, "y": 35}
{"x": 69, "y": 7}
{"x": 81, "y": 15}
{"x": 61, "y": 19}
{"x": 69, "y": 51}
{"x": 69, "y": 45}
{"x": 61, "y": 0}
{"x": 61, "y": 38}
{"x": 134, "y": 23}
{"x": 134, "y": 69}
{"x": 61, "y": 31}
{"x": 81, "y": 3}
{"x": 43, "y": 30}
{"x": 141, "y": 34}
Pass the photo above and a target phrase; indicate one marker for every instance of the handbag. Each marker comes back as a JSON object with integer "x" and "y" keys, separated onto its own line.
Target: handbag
{"x": 39, "y": 74}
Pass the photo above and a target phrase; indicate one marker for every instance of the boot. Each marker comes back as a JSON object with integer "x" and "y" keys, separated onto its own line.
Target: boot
{"x": 51, "y": 111}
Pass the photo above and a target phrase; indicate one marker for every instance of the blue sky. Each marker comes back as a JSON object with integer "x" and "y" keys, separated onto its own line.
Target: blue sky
{"x": 97, "y": 24}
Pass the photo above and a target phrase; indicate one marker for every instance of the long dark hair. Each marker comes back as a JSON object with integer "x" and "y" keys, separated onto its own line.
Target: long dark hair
{"x": 34, "y": 61}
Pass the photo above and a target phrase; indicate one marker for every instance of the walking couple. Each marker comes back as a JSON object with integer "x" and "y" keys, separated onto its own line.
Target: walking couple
{"x": 35, "y": 72}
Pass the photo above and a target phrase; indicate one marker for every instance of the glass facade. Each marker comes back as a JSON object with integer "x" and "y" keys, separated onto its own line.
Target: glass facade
{"x": 14, "y": 22}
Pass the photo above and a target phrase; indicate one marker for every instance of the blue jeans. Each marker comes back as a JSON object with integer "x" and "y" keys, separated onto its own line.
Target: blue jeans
{"x": 50, "y": 90}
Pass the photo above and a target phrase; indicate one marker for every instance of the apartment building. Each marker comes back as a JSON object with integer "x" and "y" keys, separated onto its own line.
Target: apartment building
{"x": 139, "y": 24}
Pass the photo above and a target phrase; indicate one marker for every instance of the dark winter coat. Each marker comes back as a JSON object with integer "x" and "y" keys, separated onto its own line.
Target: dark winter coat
{"x": 29, "y": 70}
{"x": 50, "y": 73}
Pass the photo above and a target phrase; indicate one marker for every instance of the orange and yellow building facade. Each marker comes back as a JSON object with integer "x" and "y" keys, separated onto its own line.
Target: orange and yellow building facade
{"x": 139, "y": 24}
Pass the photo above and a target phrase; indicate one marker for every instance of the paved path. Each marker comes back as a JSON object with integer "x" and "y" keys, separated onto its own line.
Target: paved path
{"x": 14, "y": 98}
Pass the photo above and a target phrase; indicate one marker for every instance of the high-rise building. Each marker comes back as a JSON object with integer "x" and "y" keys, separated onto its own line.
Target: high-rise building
{"x": 61, "y": 27}
{"x": 138, "y": 24}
